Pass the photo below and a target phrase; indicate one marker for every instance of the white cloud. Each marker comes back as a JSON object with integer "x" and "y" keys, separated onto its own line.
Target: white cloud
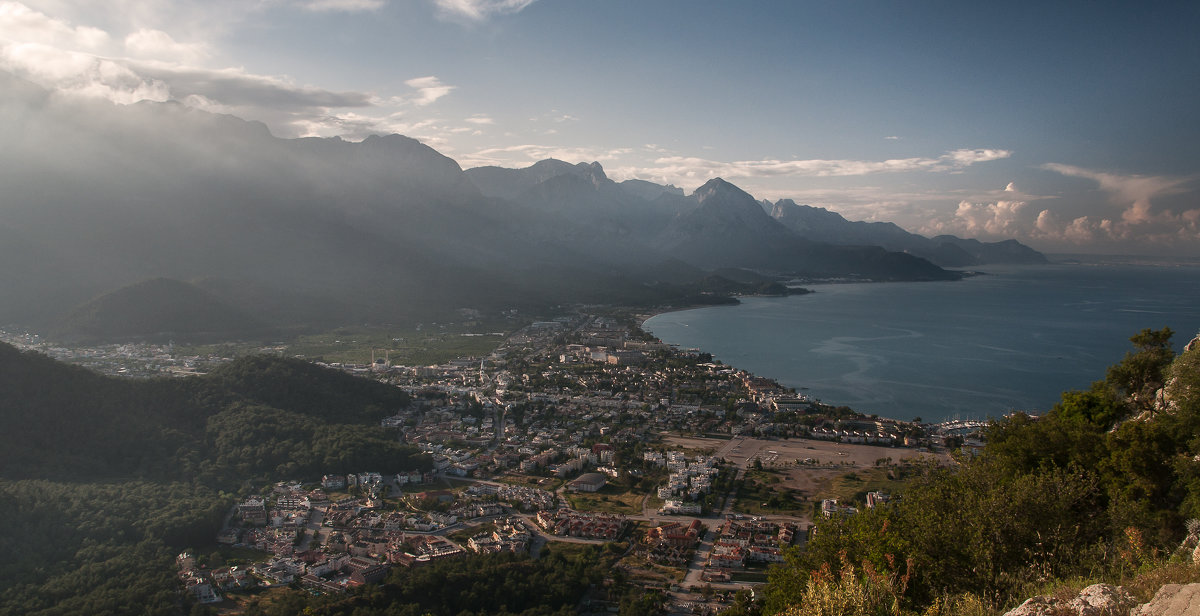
{"x": 1134, "y": 190}
{"x": 1138, "y": 218}
{"x": 429, "y": 89}
{"x": 284, "y": 105}
{"x": 160, "y": 46}
{"x": 79, "y": 73}
{"x": 526, "y": 154}
{"x": 345, "y": 6}
{"x": 21, "y": 24}
{"x": 480, "y": 119}
{"x": 687, "y": 169}
{"x": 479, "y": 10}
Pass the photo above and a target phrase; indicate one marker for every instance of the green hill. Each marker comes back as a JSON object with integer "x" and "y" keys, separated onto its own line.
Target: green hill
{"x": 1099, "y": 489}
{"x": 157, "y": 309}
{"x": 104, "y": 480}
{"x": 66, "y": 422}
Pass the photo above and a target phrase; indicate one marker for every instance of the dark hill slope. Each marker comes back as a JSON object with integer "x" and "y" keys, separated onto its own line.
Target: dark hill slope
{"x": 306, "y": 388}
{"x": 156, "y": 309}
{"x": 62, "y": 421}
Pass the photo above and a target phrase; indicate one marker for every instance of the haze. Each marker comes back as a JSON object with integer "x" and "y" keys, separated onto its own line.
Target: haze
{"x": 1070, "y": 128}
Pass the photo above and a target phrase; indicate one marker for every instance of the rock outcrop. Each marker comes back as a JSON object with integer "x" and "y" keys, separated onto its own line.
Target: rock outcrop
{"x": 1172, "y": 600}
{"x": 1108, "y": 600}
{"x": 1095, "y": 600}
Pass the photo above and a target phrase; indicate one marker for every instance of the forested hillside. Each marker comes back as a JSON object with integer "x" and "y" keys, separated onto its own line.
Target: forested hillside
{"x": 1098, "y": 489}
{"x": 104, "y": 480}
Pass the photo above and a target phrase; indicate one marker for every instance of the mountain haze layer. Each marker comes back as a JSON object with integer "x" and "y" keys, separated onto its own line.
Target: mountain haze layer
{"x": 316, "y": 232}
{"x": 945, "y": 250}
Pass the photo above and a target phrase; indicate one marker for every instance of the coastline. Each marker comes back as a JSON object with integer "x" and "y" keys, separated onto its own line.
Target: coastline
{"x": 1013, "y": 340}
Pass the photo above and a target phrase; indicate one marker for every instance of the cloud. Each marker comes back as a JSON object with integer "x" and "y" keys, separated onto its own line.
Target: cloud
{"x": 480, "y": 119}
{"x": 1138, "y": 218}
{"x": 152, "y": 64}
{"x": 21, "y": 24}
{"x": 690, "y": 168}
{"x": 892, "y": 138}
{"x": 156, "y": 44}
{"x": 1134, "y": 190}
{"x": 999, "y": 219}
{"x": 1080, "y": 231}
{"x": 236, "y": 87}
{"x": 345, "y": 6}
{"x": 526, "y": 154}
{"x": 429, "y": 89}
{"x": 479, "y": 10}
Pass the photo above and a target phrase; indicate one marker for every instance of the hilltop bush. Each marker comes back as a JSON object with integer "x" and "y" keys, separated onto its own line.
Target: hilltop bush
{"x": 1098, "y": 488}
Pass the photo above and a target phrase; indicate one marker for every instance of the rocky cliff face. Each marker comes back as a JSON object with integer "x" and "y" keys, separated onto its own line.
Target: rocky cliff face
{"x": 1178, "y": 387}
{"x": 1107, "y": 600}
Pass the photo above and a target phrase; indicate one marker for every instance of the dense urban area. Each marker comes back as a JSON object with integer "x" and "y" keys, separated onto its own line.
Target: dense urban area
{"x": 579, "y": 430}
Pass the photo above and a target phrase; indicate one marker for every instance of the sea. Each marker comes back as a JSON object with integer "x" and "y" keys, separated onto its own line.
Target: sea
{"x": 1011, "y": 339}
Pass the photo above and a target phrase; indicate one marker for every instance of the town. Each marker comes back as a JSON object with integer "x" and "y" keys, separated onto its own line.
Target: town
{"x": 581, "y": 429}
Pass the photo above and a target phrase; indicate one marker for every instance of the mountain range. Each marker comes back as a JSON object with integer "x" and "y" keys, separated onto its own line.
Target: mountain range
{"x": 274, "y": 234}
{"x": 944, "y": 250}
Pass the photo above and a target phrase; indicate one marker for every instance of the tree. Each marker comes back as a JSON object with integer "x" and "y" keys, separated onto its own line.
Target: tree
{"x": 1140, "y": 374}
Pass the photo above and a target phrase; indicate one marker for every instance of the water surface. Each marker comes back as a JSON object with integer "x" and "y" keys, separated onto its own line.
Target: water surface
{"x": 984, "y": 346}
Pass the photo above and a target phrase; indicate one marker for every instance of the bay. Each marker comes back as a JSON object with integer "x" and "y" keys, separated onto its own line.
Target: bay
{"x": 1014, "y": 339}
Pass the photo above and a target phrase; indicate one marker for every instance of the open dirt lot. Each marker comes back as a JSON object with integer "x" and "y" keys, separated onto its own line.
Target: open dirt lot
{"x": 781, "y": 453}
{"x": 828, "y": 459}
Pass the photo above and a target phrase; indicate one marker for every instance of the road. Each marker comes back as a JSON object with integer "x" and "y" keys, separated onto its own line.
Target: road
{"x": 314, "y": 528}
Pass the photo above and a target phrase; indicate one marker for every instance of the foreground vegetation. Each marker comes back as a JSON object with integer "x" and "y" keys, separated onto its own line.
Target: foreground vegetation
{"x": 559, "y": 582}
{"x": 1097, "y": 490}
{"x": 103, "y": 480}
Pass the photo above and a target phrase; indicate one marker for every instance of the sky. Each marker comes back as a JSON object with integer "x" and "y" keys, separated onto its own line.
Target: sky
{"x": 1072, "y": 127}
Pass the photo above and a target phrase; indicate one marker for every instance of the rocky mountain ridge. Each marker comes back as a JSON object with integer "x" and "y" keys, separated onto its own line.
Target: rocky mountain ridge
{"x": 943, "y": 250}
{"x": 317, "y": 232}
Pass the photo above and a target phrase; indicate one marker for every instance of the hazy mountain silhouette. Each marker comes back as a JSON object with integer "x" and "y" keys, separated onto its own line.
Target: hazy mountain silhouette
{"x": 730, "y": 228}
{"x": 944, "y": 250}
{"x": 158, "y": 309}
{"x": 314, "y": 231}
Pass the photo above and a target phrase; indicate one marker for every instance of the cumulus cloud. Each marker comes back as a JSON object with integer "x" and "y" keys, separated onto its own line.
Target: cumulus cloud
{"x": 1002, "y": 218}
{"x": 429, "y": 89}
{"x": 480, "y": 119}
{"x": 1138, "y": 217}
{"x": 152, "y": 64}
{"x": 156, "y": 44}
{"x": 1080, "y": 231}
{"x": 21, "y": 24}
{"x": 479, "y": 10}
{"x": 1134, "y": 190}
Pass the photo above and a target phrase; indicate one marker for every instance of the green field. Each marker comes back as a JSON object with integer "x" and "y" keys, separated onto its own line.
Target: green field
{"x": 608, "y": 500}
{"x": 461, "y": 536}
{"x": 410, "y": 347}
{"x": 432, "y": 344}
{"x": 762, "y": 494}
{"x": 852, "y": 487}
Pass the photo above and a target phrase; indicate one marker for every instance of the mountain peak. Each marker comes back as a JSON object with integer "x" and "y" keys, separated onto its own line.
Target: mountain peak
{"x": 718, "y": 187}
